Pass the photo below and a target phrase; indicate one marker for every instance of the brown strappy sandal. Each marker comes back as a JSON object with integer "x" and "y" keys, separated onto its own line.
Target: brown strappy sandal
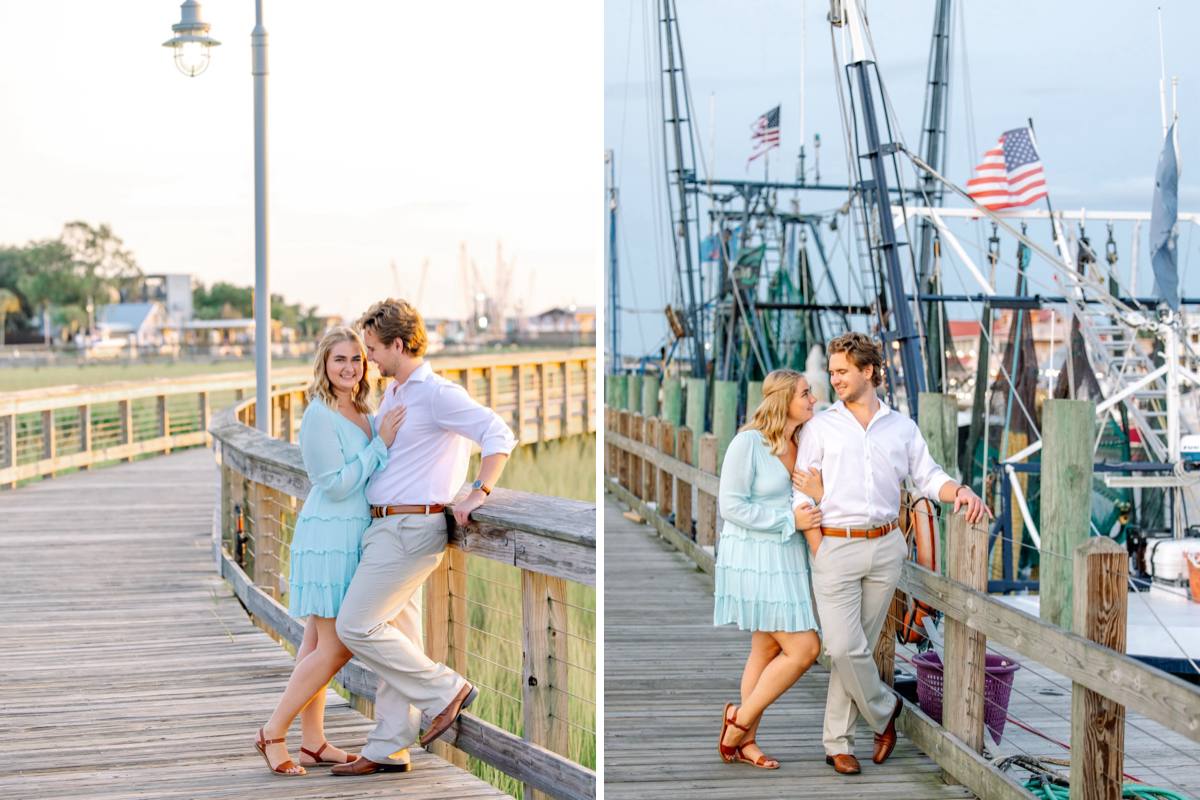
{"x": 317, "y": 761}
{"x": 729, "y": 754}
{"x": 764, "y": 761}
{"x": 287, "y": 768}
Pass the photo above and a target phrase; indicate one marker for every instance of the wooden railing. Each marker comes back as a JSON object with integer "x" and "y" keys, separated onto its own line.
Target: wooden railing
{"x": 512, "y": 606}
{"x": 542, "y": 395}
{"x": 648, "y": 464}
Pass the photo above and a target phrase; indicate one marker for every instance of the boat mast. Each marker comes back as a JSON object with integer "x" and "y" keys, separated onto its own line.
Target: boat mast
{"x": 875, "y": 193}
{"x": 680, "y": 164}
{"x": 614, "y": 277}
{"x": 933, "y": 149}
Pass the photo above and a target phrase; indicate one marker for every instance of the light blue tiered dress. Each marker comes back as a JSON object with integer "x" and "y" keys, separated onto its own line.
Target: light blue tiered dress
{"x": 763, "y": 579}
{"x": 328, "y": 538}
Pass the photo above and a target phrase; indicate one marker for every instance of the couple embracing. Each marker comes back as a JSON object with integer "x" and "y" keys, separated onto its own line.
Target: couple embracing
{"x": 835, "y": 478}
{"x": 371, "y": 531}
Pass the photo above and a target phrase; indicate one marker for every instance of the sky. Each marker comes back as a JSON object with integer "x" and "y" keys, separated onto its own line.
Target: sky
{"x": 1086, "y": 72}
{"x": 395, "y": 132}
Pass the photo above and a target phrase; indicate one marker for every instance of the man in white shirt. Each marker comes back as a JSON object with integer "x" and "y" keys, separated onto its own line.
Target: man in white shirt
{"x": 865, "y": 451}
{"x": 427, "y": 464}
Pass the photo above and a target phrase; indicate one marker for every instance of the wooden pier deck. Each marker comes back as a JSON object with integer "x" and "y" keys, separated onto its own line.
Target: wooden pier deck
{"x": 129, "y": 668}
{"x": 668, "y": 672}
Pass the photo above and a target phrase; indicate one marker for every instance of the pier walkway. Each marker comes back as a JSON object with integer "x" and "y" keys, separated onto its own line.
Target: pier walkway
{"x": 668, "y": 672}
{"x": 129, "y": 668}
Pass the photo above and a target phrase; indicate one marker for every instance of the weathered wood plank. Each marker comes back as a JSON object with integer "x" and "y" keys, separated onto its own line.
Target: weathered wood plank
{"x": 658, "y": 610}
{"x": 706, "y": 503}
{"x": 963, "y": 671}
{"x": 1163, "y": 698}
{"x": 1097, "y": 723}
{"x": 703, "y": 481}
{"x": 144, "y": 636}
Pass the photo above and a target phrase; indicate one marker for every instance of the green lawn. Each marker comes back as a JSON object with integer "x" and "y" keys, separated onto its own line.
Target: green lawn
{"x": 17, "y": 378}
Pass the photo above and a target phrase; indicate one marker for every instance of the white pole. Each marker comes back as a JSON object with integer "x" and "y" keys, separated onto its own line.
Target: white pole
{"x": 1162, "y": 80}
{"x": 803, "y": 58}
{"x": 262, "y": 292}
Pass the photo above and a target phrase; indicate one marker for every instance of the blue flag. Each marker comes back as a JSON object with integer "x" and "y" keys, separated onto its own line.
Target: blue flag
{"x": 1164, "y": 225}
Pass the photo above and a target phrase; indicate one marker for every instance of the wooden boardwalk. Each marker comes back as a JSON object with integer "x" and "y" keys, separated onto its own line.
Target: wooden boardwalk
{"x": 667, "y": 674}
{"x": 129, "y": 670}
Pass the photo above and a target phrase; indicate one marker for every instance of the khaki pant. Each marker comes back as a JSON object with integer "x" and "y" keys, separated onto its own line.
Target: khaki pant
{"x": 381, "y": 624}
{"x": 853, "y": 583}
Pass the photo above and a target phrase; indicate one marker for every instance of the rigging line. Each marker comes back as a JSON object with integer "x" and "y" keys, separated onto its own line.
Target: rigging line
{"x": 651, "y": 150}
{"x": 737, "y": 296}
{"x": 986, "y": 334}
{"x": 848, "y": 151}
{"x": 1158, "y": 619}
{"x": 631, "y": 282}
{"x": 657, "y": 144}
{"x": 1078, "y": 282}
{"x": 625, "y": 97}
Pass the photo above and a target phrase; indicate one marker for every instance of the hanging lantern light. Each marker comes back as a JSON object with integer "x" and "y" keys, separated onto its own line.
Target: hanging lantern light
{"x": 191, "y": 41}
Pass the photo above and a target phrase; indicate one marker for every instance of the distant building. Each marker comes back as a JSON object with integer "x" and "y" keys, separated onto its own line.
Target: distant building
{"x": 174, "y": 291}
{"x": 560, "y": 325}
{"x": 138, "y": 324}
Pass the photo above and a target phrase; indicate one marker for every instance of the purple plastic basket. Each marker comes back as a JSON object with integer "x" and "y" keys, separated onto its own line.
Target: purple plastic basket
{"x": 997, "y": 687}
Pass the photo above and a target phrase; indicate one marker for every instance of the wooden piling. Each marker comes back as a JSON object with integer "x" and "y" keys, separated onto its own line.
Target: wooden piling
{"x": 753, "y": 397}
{"x": 1099, "y": 609}
{"x": 963, "y": 689}
{"x": 684, "y": 447}
{"x": 1069, "y": 432}
{"x": 672, "y": 405}
{"x": 725, "y": 397}
{"x": 634, "y": 399}
{"x": 706, "y": 516}
{"x": 697, "y": 409}
{"x": 650, "y": 395}
{"x": 666, "y": 482}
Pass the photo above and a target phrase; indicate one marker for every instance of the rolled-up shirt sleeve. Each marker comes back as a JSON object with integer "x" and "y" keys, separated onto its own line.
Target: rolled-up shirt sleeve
{"x": 809, "y": 451}
{"x": 923, "y": 471}
{"x": 454, "y": 410}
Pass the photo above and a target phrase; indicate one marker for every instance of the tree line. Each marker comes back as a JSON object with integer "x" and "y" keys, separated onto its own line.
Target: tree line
{"x": 52, "y": 289}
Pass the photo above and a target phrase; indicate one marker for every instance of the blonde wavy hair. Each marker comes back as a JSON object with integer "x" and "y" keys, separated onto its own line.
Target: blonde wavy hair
{"x": 321, "y": 387}
{"x": 771, "y": 417}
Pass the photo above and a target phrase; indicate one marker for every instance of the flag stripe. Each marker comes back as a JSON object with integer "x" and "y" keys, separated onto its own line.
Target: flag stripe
{"x": 1010, "y": 174}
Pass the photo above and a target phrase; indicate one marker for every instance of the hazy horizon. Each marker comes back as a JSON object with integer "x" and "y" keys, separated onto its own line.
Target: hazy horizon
{"x": 396, "y": 132}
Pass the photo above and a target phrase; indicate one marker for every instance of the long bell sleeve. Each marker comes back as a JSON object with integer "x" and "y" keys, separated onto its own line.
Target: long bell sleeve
{"x": 328, "y": 468}
{"x": 735, "y": 494}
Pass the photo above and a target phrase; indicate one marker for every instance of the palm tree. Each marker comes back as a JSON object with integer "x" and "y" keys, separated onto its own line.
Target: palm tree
{"x": 9, "y": 304}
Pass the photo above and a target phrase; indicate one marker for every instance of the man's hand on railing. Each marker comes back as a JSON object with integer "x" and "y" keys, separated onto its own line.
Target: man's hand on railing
{"x": 966, "y": 499}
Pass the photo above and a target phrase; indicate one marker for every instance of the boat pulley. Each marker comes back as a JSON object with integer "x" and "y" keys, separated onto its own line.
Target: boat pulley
{"x": 1110, "y": 248}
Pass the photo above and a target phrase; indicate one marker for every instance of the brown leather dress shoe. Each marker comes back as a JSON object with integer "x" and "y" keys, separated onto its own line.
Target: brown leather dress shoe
{"x": 885, "y": 742}
{"x": 365, "y": 766}
{"x": 844, "y": 763}
{"x": 442, "y": 722}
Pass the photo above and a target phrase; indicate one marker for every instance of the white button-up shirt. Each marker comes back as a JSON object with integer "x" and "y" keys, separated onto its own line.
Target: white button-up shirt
{"x": 427, "y": 463}
{"x": 863, "y": 469}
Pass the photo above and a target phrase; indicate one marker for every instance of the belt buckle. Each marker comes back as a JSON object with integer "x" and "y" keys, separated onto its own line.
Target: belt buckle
{"x": 427, "y": 509}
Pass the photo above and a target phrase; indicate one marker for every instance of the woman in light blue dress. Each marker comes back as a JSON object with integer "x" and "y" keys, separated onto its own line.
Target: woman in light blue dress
{"x": 762, "y": 581}
{"x": 342, "y": 446}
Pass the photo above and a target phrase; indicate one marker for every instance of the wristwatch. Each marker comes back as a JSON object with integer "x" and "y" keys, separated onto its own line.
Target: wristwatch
{"x": 478, "y": 484}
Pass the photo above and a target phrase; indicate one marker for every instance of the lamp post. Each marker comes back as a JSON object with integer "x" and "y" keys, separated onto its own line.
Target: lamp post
{"x": 192, "y": 44}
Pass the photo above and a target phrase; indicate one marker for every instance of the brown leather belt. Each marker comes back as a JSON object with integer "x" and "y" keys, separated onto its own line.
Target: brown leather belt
{"x": 379, "y": 512}
{"x": 862, "y": 533}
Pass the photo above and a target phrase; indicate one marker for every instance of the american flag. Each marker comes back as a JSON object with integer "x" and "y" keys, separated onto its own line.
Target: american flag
{"x": 1010, "y": 174}
{"x": 764, "y": 133}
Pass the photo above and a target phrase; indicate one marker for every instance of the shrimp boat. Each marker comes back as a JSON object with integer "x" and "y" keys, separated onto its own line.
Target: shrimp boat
{"x": 1001, "y": 309}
